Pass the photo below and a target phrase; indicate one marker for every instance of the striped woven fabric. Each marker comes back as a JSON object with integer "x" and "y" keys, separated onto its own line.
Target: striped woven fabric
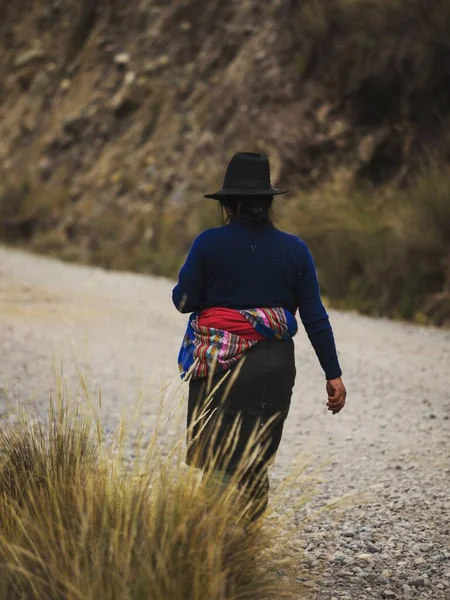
{"x": 204, "y": 348}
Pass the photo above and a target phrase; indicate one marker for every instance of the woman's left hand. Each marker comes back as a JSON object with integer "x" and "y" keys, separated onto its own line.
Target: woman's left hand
{"x": 336, "y": 395}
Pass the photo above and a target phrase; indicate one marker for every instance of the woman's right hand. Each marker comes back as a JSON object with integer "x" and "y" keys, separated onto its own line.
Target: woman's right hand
{"x": 336, "y": 395}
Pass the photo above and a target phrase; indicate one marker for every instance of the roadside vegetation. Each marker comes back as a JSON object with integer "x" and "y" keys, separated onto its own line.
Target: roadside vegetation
{"x": 76, "y": 524}
{"x": 380, "y": 227}
{"x": 383, "y": 252}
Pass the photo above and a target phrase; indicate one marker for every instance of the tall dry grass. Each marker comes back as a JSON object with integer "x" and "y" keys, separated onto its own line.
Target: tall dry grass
{"x": 383, "y": 252}
{"x": 74, "y": 524}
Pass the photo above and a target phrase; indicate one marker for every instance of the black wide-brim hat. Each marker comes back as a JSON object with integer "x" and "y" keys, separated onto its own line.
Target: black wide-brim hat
{"x": 248, "y": 174}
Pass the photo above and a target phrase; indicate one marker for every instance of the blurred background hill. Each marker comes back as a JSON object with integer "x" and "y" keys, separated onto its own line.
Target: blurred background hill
{"x": 117, "y": 116}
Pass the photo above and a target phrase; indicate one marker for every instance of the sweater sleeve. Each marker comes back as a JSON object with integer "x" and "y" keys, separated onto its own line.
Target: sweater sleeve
{"x": 187, "y": 295}
{"x": 315, "y": 318}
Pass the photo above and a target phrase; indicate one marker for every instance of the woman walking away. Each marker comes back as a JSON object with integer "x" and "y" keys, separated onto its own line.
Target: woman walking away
{"x": 243, "y": 283}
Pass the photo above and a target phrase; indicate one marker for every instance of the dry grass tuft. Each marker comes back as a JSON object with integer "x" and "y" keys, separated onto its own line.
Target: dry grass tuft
{"x": 76, "y": 525}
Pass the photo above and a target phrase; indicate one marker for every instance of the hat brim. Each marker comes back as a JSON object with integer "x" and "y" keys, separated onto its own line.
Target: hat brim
{"x": 230, "y": 192}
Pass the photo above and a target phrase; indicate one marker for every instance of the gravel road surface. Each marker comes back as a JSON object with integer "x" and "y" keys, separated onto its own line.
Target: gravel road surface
{"x": 389, "y": 449}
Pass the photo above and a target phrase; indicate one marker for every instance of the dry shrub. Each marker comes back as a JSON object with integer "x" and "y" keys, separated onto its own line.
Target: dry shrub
{"x": 384, "y": 252}
{"x": 389, "y": 57}
{"x": 28, "y": 206}
{"x": 76, "y": 525}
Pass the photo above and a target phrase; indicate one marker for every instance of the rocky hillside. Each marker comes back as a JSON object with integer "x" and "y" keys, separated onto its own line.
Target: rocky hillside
{"x": 116, "y": 116}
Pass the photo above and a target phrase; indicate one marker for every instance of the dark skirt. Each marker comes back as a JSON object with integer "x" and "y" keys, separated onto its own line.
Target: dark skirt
{"x": 260, "y": 393}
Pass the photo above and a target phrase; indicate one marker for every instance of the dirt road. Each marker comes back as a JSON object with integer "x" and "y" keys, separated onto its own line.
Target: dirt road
{"x": 391, "y": 443}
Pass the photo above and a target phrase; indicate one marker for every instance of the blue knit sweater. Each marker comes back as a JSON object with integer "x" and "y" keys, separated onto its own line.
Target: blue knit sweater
{"x": 236, "y": 266}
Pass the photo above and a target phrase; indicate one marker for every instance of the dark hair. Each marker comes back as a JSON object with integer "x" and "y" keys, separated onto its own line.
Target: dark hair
{"x": 256, "y": 211}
